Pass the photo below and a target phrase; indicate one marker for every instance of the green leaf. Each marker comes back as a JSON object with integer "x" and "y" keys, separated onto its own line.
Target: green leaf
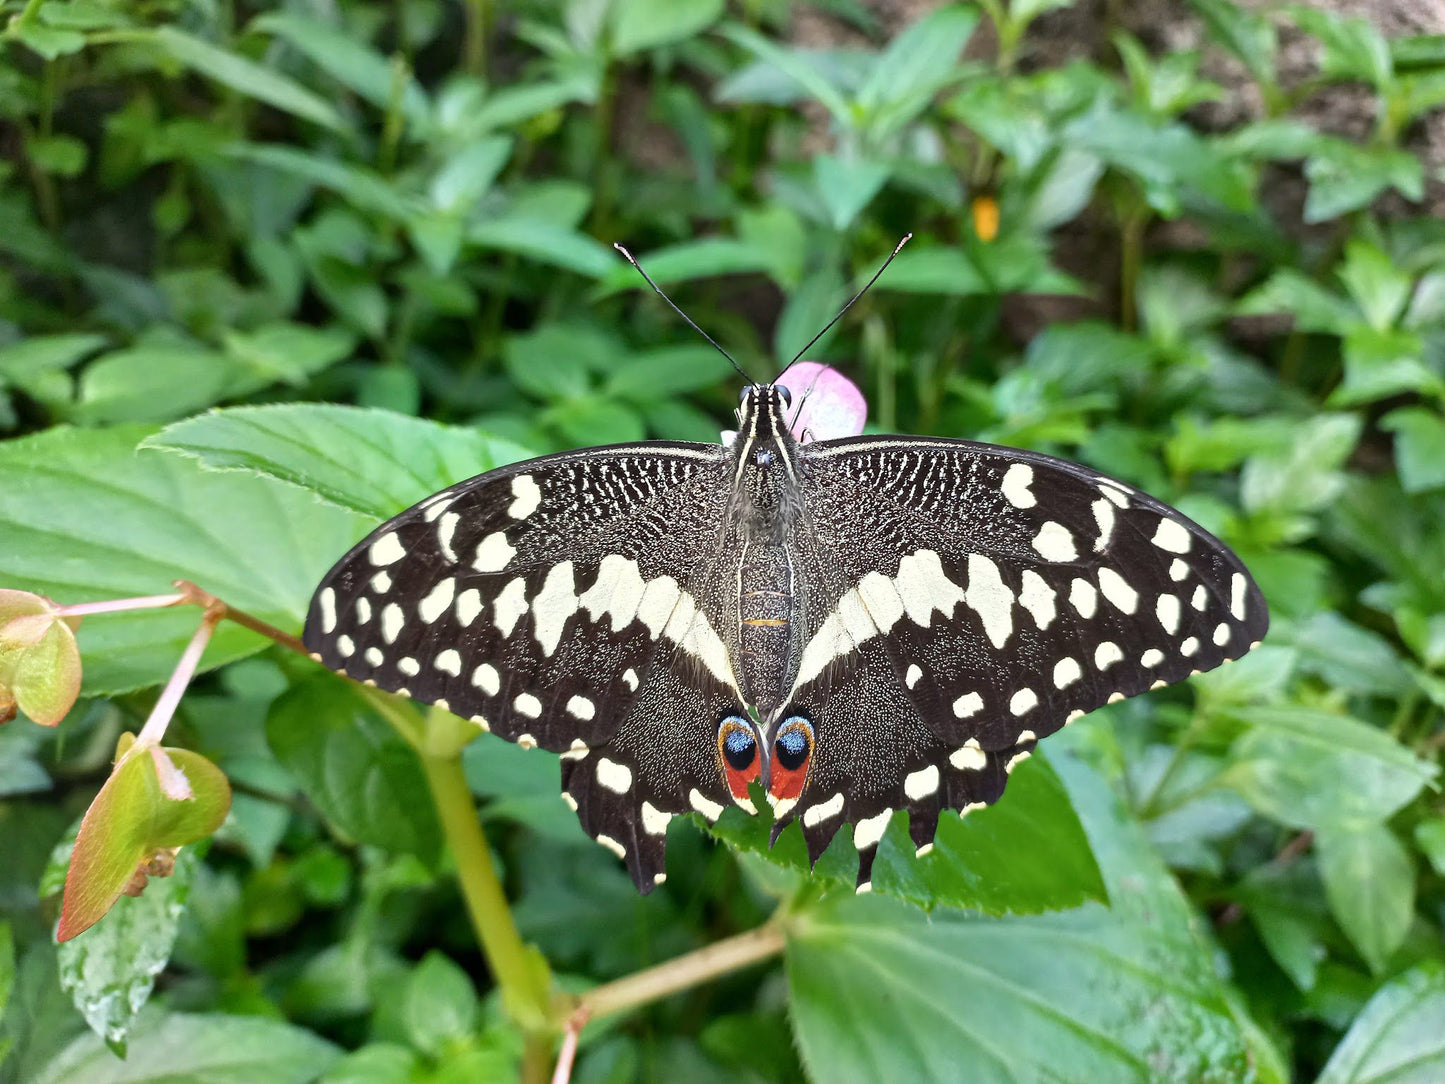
{"x": 1312, "y": 307}
{"x": 545, "y": 242}
{"x": 707, "y": 258}
{"x": 1399, "y": 1036}
{"x": 129, "y": 821}
{"x": 646, "y": 24}
{"x": 216, "y": 1049}
{"x": 286, "y": 352}
{"x": 915, "y": 65}
{"x": 974, "y": 861}
{"x": 440, "y": 1005}
{"x": 1353, "y": 47}
{"x": 1345, "y": 177}
{"x": 1430, "y": 838}
{"x": 1248, "y": 35}
{"x": 797, "y": 68}
{"x": 1305, "y": 476}
{"x": 372, "y": 462}
{"x": 352, "y": 765}
{"x": 667, "y": 371}
{"x": 880, "y": 993}
{"x": 87, "y": 518}
{"x": 29, "y": 359}
{"x": 1419, "y": 447}
{"x": 1350, "y": 657}
{"x": 847, "y": 185}
{"x": 110, "y": 972}
{"x": 152, "y": 382}
{"x": 1370, "y": 883}
{"x": 348, "y": 60}
{"x": 1379, "y": 288}
{"x": 1312, "y": 769}
{"x": 240, "y": 74}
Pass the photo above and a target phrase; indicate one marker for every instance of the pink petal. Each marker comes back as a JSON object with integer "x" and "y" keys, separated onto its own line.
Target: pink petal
{"x": 828, "y": 405}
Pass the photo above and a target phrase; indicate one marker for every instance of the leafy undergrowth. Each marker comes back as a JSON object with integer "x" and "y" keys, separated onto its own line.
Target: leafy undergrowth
{"x": 376, "y": 240}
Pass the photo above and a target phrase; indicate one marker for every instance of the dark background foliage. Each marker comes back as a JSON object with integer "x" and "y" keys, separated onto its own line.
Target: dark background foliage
{"x": 1192, "y": 245}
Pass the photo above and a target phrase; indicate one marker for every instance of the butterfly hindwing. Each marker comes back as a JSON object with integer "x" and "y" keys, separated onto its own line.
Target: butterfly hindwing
{"x": 545, "y": 601}
{"x": 990, "y": 596}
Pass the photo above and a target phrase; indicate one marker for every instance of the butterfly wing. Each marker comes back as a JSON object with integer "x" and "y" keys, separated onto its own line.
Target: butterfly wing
{"x": 606, "y": 657}
{"x": 988, "y": 597}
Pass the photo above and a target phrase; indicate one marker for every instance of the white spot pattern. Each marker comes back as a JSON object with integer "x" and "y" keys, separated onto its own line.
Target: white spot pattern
{"x": 327, "y": 601}
{"x": 1117, "y": 590}
{"x": 493, "y": 553}
{"x": 486, "y": 678}
{"x": 579, "y": 707}
{"x": 554, "y": 606}
{"x": 614, "y": 776}
{"x": 989, "y": 597}
{"x": 1055, "y": 543}
{"x": 867, "y": 832}
{"x": 528, "y": 705}
{"x": 1037, "y": 597}
{"x": 1107, "y": 654}
{"x": 392, "y": 621}
{"x": 1172, "y": 536}
{"x": 509, "y": 606}
{"x": 969, "y": 757}
{"x": 704, "y": 805}
{"x": 915, "y": 672}
{"x": 1016, "y": 482}
{"x": 469, "y": 604}
{"x": 527, "y": 494}
{"x": 1167, "y": 611}
{"x": 1104, "y": 518}
{"x": 1066, "y": 672}
{"x": 449, "y": 662}
{"x": 817, "y": 814}
{"x": 920, "y": 784}
{"x": 1023, "y": 701}
{"x": 967, "y": 705}
{"x": 437, "y": 600}
{"x": 654, "y": 820}
{"x": 1084, "y": 597}
{"x": 386, "y": 550}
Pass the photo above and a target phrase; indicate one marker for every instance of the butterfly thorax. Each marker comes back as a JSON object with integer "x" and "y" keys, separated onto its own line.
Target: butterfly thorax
{"x": 767, "y": 503}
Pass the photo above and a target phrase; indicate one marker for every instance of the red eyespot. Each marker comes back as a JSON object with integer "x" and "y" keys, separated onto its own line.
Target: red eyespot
{"x": 737, "y": 752}
{"x": 792, "y": 752}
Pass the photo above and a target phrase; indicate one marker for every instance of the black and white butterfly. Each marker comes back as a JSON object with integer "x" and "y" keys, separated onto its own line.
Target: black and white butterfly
{"x": 861, "y": 626}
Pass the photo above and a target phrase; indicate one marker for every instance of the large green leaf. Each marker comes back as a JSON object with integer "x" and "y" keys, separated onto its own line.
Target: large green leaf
{"x": 880, "y": 993}
{"x": 372, "y": 462}
{"x": 973, "y": 863}
{"x": 1370, "y": 882}
{"x": 1399, "y": 1037}
{"x": 213, "y": 1049}
{"x": 87, "y": 517}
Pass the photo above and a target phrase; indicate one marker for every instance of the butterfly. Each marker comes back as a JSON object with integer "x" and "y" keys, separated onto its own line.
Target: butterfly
{"x": 856, "y": 626}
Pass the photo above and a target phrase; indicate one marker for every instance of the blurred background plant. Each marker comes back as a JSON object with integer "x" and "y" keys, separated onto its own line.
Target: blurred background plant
{"x": 1197, "y": 245}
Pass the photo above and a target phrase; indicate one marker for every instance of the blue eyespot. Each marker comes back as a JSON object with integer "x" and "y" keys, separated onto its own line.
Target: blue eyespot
{"x": 737, "y": 742}
{"x": 794, "y": 743}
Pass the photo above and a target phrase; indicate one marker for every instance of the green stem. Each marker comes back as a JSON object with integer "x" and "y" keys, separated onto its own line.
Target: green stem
{"x": 1131, "y": 257}
{"x": 522, "y": 981}
{"x": 684, "y": 972}
{"x": 474, "y": 47}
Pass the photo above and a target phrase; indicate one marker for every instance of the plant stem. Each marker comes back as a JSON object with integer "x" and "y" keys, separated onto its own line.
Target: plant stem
{"x": 474, "y": 45}
{"x": 208, "y": 601}
{"x": 683, "y": 972}
{"x": 1131, "y": 257}
{"x": 521, "y": 976}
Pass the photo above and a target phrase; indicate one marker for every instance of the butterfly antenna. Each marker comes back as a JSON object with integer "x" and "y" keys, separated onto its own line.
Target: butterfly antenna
{"x": 658, "y": 290}
{"x": 876, "y": 275}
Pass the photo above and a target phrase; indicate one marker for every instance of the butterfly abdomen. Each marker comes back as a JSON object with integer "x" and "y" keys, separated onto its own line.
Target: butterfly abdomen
{"x": 766, "y": 630}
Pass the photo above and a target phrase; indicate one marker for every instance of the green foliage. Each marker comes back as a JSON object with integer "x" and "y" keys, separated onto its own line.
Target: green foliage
{"x": 376, "y": 238}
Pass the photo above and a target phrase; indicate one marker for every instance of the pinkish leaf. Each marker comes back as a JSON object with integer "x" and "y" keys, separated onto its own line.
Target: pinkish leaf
{"x": 827, "y": 405}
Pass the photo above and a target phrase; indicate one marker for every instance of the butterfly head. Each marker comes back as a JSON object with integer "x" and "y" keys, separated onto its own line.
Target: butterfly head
{"x": 763, "y": 414}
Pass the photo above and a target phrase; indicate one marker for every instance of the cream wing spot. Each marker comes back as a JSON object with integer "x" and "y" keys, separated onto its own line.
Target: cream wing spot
{"x": 1167, "y": 611}
{"x": 1066, "y": 672}
{"x": 614, "y": 776}
{"x": 704, "y": 805}
{"x": 527, "y": 495}
{"x": 1107, "y": 654}
{"x": 1151, "y": 658}
{"x": 392, "y": 622}
{"x": 989, "y": 597}
{"x": 654, "y": 820}
{"x": 1190, "y": 647}
{"x": 493, "y": 553}
{"x": 528, "y": 705}
{"x": 386, "y": 550}
{"x": 1221, "y": 634}
{"x": 816, "y": 814}
{"x": 1237, "y": 587}
{"x": 409, "y": 666}
{"x": 449, "y": 662}
{"x": 1037, "y": 597}
{"x": 920, "y": 784}
{"x": 1023, "y": 702}
{"x": 1178, "y": 570}
{"x": 629, "y": 678}
{"x": 867, "y": 832}
{"x": 910, "y": 679}
{"x": 1172, "y": 536}
{"x": 1055, "y": 543}
{"x": 554, "y": 606}
{"x": 1084, "y": 597}
{"x": 612, "y": 845}
{"x": 486, "y": 678}
{"x": 363, "y": 610}
{"x": 1117, "y": 590}
{"x": 509, "y": 606}
{"x": 381, "y": 582}
{"x": 1200, "y": 598}
{"x": 579, "y": 707}
{"x": 327, "y": 601}
{"x": 969, "y": 757}
{"x": 437, "y": 600}
{"x": 469, "y": 605}
{"x": 1104, "y": 519}
{"x": 967, "y": 705}
{"x": 446, "y": 530}
{"x": 374, "y": 656}
{"x": 1016, "y": 482}
{"x": 345, "y": 646}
